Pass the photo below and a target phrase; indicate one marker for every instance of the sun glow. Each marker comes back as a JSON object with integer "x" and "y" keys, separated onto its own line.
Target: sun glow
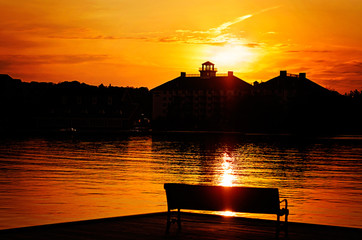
{"x": 232, "y": 56}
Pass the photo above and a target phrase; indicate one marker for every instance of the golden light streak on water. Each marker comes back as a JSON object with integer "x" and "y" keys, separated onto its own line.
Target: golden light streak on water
{"x": 227, "y": 177}
{"x": 227, "y": 213}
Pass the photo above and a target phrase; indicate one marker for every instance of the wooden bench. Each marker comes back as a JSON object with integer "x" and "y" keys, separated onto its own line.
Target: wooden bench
{"x": 219, "y": 198}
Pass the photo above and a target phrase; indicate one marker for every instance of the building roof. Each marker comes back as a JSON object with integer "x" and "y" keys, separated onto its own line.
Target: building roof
{"x": 301, "y": 85}
{"x": 198, "y": 83}
{"x": 208, "y": 63}
{"x": 5, "y": 77}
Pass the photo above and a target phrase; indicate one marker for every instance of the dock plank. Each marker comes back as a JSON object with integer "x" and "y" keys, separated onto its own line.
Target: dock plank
{"x": 194, "y": 226}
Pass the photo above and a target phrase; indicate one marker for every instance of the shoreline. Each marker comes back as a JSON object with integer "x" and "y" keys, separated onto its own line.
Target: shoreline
{"x": 175, "y": 132}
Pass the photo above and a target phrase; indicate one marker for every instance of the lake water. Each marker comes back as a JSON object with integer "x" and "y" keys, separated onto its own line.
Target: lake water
{"x": 58, "y": 179}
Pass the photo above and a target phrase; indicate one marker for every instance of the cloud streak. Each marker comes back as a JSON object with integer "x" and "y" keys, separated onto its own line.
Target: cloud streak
{"x": 215, "y": 36}
{"x": 212, "y": 36}
{"x": 17, "y": 61}
{"x": 226, "y": 25}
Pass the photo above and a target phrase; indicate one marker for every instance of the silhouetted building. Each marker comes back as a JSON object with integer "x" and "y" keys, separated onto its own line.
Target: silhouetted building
{"x": 204, "y": 101}
{"x": 293, "y": 103}
{"x": 286, "y": 103}
{"x": 289, "y": 86}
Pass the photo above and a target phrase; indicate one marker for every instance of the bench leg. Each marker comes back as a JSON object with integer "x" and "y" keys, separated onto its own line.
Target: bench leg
{"x": 283, "y": 225}
{"x": 179, "y": 218}
{"x": 168, "y": 221}
{"x": 277, "y": 227}
{"x": 171, "y": 220}
{"x": 286, "y": 223}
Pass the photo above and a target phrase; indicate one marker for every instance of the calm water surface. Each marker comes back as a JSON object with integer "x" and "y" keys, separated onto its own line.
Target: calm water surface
{"x": 59, "y": 179}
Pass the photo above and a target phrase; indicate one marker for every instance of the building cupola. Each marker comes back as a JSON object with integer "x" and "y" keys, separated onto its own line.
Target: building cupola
{"x": 207, "y": 70}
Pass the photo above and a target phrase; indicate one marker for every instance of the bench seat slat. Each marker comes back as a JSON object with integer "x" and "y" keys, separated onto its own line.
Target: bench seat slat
{"x": 219, "y": 198}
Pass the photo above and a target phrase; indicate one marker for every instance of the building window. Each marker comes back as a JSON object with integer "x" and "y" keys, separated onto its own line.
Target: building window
{"x": 64, "y": 100}
{"x": 94, "y": 100}
{"x": 79, "y": 100}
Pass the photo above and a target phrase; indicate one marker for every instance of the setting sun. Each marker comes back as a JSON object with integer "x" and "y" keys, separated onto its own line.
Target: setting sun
{"x": 232, "y": 56}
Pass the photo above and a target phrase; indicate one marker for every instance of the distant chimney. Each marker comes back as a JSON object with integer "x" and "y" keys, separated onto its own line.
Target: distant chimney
{"x": 230, "y": 73}
{"x": 183, "y": 74}
{"x": 283, "y": 73}
{"x": 302, "y": 75}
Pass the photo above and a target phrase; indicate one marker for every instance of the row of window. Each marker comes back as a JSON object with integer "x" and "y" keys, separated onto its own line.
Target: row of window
{"x": 83, "y": 100}
{"x": 86, "y": 111}
{"x": 200, "y": 92}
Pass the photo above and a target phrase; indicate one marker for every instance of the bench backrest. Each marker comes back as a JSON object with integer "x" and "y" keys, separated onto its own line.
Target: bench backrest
{"x": 219, "y": 198}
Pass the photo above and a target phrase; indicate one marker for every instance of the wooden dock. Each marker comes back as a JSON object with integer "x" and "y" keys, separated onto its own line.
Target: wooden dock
{"x": 194, "y": 226}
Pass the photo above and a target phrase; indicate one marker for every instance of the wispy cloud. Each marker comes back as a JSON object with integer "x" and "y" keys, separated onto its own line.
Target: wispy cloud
{"x": 7, "y": 61}
{"x": 268, "y": 9}
{"x": 213, "y": 36}
{"x": 219, "y": 35}
{"x": 219, "y": 29}
{"x": 97, "y": 37}
{"x": 11, "y": 42}
{"x": 226, "y": 25}
{"x": 309, "y": 51}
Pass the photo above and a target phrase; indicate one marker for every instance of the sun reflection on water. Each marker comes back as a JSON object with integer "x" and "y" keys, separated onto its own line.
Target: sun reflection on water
{"x": 228, "y": 213}
{"x": 227, "y": 177}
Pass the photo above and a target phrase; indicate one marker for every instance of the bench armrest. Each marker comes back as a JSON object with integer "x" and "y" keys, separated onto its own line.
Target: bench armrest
{"x": 285, "y": 210}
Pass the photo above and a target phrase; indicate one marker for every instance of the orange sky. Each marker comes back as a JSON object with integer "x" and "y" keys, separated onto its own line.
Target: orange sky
{"x": 146, "y": 43}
